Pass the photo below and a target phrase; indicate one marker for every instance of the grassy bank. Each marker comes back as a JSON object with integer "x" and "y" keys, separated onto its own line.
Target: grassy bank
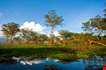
{"x": 37, "y": 51}
{"x": 65, "y": 53}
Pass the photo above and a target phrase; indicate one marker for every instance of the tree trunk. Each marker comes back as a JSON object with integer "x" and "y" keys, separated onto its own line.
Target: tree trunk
{"x": 51, "y": 35}
{"x": 11, "y": 39}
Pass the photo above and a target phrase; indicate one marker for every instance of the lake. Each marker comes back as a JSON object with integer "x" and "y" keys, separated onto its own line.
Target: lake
{"x": 55, "y": 64}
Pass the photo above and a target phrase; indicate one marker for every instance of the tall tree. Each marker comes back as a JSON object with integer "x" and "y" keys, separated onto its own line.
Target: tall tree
{"x": 10, "y": 30}
{"x": 53, "y": 20}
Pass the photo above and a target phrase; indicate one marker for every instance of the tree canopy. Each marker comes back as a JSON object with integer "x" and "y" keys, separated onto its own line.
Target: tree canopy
{"x": 10, "y": 29}
{"x": 53, "y": 19}
{"x": 96, "y": 25}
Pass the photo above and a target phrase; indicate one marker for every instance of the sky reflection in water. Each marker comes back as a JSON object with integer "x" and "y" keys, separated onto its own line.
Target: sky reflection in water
{"x": 91, "y": 64}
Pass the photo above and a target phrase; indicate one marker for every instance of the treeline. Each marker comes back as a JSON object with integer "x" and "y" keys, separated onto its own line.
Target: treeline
{"x": 95, "y": 32}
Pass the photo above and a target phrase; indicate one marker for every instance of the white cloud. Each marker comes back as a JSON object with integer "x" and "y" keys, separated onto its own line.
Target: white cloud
{"x": 36, "y": 27}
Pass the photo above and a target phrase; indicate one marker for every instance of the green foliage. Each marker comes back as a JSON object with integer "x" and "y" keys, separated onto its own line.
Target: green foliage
{"x": 96, "y": 25}
{"x": 53, "y": 19}
{"x": 66, "y": 34}
{"x": 29, "y": 35}
{"x": 33, "y": 51}
{"x": 99, "y": 50}
{"x": 10, "y": 29}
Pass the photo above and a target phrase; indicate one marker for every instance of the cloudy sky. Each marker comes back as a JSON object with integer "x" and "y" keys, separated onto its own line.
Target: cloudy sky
{"x": 74, "y": 12}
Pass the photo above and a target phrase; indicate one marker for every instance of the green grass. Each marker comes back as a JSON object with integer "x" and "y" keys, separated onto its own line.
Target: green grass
{"x": 37, "y": 51}
{"x": 30, "y": 46}
{"x": 64, "y": 53}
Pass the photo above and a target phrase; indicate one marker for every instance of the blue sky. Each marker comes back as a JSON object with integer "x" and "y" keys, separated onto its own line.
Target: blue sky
{"x": 74, "y": 12}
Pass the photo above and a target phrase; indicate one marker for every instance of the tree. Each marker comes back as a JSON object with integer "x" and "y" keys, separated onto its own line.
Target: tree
{"x": 42, "y": 38}
{"x": 66, "y": 34}
{"x": 10, "y": 30}
{"x": 28, "y": 35}
{"x": 105, "y": 12}
{"x": 96, "y": 25}
{"x": 32, "y": 37}
{"x": 53, "y": 20}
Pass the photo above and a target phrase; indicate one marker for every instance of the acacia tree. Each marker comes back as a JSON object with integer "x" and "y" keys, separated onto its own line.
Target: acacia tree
{"x": 96, "y": 25}
{"x": 10, "y": 29}
{"x": 92, "y": 25}
{"x": 53, "y": 20}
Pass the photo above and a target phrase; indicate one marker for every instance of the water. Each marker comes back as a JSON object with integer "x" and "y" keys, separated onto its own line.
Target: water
{"x": 55, "y": 64}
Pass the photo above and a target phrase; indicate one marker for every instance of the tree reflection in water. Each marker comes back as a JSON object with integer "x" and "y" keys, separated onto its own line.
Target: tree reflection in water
{"x": 51, "y": 67}
{"x": 95, "y": 63}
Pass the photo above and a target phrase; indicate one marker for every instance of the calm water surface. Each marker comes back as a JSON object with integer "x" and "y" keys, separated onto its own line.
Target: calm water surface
{"x": 44, "y": 64}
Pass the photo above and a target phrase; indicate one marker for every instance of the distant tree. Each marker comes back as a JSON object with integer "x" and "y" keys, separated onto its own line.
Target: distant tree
{"x": 28, "y": 35}
{"x": 53, "y": 20}
{"x": 10, "y": 30}
{"x": 33, "y": 37}
{"x": 43, "y": 38}
{"x": 66, "y": 34}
